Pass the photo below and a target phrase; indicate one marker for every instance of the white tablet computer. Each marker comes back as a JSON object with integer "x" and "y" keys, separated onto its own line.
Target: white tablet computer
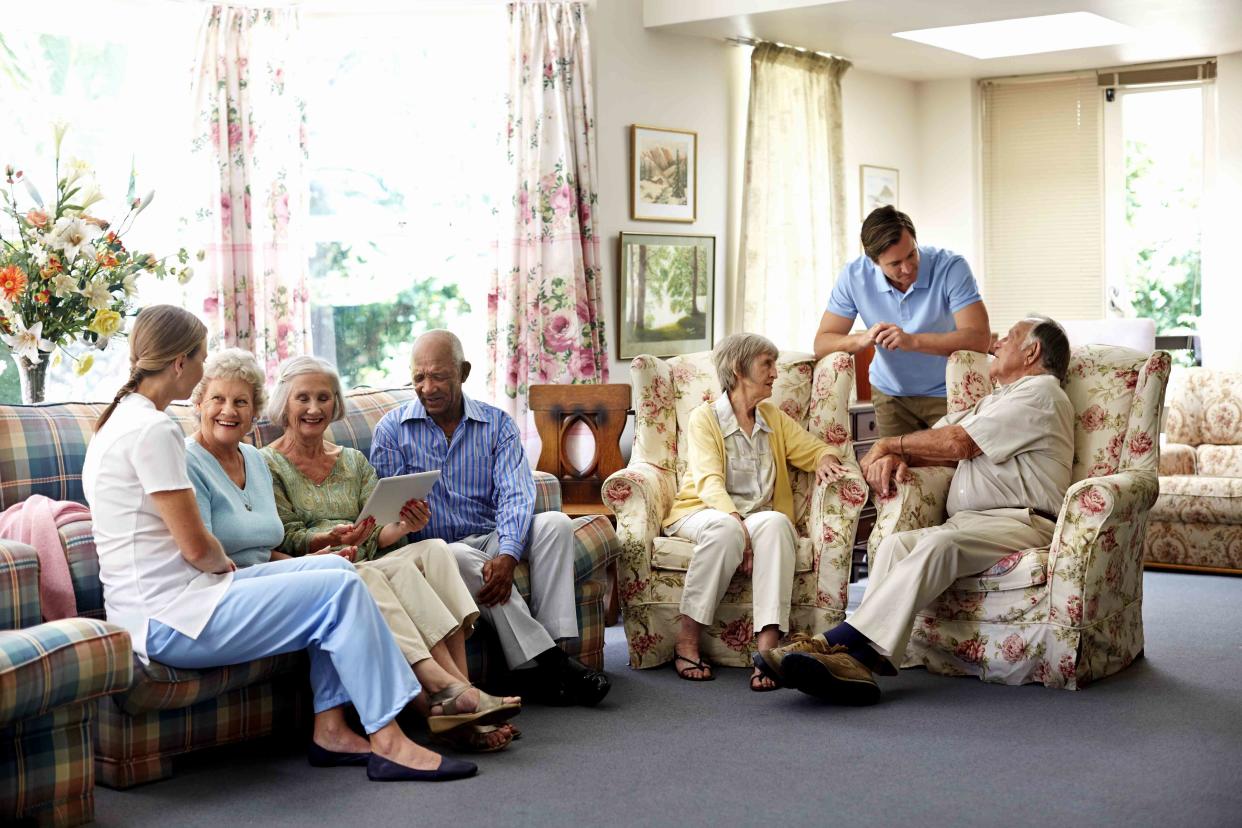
{"x": 390, "y": 495}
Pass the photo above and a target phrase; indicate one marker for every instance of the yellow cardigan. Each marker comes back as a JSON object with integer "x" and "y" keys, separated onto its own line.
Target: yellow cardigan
{"x": 704, "y": 484}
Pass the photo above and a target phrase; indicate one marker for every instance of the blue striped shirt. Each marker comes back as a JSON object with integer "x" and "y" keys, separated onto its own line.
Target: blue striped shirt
{"x": 485, "y": 481}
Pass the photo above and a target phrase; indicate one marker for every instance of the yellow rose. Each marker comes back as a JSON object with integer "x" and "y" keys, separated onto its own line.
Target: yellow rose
{"x": 105, "y": 323}
{"x": 85, "y": 364}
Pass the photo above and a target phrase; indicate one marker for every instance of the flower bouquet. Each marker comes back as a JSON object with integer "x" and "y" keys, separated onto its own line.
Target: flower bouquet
{"x": 66, "y": 275}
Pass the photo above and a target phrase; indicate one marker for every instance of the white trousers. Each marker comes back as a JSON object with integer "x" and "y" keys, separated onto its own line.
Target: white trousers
{"x": 718, "y": 546}
{"x": 525, "y": 631}
{"x": 912, "y": 568}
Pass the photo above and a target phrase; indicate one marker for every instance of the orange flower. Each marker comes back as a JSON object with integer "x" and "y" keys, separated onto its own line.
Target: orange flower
{"x": 52, "y": 267}
{"x": 37, "y": 218}
{"x": 105, "y": 259}
{"x": 12, "y": 281}
{"x": 43, "y": 297}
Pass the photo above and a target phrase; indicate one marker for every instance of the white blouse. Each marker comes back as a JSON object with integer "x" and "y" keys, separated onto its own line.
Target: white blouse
{"x": 750, "y": 468}
{"x": 138, "y": 452}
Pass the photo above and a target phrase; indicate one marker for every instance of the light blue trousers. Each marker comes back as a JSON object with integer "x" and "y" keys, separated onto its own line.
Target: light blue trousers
{"x": 315, "y": 603}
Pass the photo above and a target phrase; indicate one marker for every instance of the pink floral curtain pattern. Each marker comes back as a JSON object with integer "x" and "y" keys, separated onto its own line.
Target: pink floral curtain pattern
{"x": 544, "y": 316}
{"x": 251, "y": 127}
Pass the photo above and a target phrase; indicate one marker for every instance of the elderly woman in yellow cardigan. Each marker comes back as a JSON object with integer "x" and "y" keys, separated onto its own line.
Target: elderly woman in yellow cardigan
{"x": 736, "y": 504}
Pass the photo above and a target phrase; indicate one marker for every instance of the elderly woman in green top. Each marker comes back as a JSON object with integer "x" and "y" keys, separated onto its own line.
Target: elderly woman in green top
{"x": 736, "y": 504}
{"x": 236, "y": 497}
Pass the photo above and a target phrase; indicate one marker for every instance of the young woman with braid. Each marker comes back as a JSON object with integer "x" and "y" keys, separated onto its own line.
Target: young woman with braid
{"x": 168, "y": 581}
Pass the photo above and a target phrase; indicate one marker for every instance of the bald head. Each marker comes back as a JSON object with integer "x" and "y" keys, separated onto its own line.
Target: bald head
{"x": 438, "y": 368}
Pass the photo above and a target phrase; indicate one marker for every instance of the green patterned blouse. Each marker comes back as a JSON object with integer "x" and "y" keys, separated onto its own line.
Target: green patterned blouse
{"x": 307, "y": 508}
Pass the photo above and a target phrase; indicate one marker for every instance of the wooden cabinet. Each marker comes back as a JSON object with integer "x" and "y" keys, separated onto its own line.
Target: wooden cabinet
{"x": 864, "y": 432}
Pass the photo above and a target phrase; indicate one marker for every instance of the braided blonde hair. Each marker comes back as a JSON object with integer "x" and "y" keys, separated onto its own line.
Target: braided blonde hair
{"x": 161, "y": 335}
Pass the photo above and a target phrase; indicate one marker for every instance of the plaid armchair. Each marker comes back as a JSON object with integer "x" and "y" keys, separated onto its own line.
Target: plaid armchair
{"x": 1196, "y": 523}
{"x": 50, "y": 676}
{"x": 652, "y": 568}
{"x": 1071, "y": 613}
{"x": 162, "y": 711}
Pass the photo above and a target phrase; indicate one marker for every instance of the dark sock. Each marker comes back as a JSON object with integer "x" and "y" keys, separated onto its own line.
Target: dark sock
{"x": 858, "y": 645}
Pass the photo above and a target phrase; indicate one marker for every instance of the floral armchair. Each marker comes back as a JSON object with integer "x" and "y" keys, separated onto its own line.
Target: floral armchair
{"x": 1071, "y": 613}
{"x": 1197, "y": 520}
{"x": 651, "y": 570}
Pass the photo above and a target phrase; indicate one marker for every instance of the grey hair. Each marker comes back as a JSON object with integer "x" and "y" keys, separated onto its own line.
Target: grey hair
{"x": 734, "y": 354}
{"x": 459, "y": 355}
{"x": 233, "y": 364}
{"x": 1054, "y": 347}
{"x": 278, "y": 408}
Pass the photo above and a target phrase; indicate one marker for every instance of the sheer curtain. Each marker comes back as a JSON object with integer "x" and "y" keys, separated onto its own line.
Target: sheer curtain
{"x": 544, "y": 318}
{"x": 793, "y": 196}
{"x": 250, "y": 138}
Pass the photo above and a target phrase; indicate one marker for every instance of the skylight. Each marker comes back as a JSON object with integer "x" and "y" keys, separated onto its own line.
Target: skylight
{"x": 1024, "y": 35}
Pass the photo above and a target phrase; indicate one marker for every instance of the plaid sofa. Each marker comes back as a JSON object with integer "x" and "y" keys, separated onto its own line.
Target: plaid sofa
{"x": 164, "y": 712}
{"x": 50, "y": 676}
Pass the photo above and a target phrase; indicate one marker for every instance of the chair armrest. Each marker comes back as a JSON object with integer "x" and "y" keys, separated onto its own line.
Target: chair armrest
{"x": 60, "y": 663}
{"x": 547, "y": 492}
{"x": 1178, "y": 458}
{"x": 19, "y": 586}
{"x": 832, "y": 525}
{"x": 1095, "y": 563}
{"x": 916, "y": 504}
{"x": 640, "y": 495}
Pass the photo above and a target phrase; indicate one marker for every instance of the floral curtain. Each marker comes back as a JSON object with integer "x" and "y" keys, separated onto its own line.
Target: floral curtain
{"x": 251, "y": 132}
{"x": 793, "y": 197}
{"x": 544, "y": 316}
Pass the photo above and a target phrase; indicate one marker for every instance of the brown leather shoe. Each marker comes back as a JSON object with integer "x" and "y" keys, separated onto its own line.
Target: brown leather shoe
{"x": 835, "y": 677}
{"x": 768, "y": 662}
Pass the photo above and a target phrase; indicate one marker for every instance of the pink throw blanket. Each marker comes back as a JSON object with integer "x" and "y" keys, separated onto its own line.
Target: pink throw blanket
{"x": 36, "y": 522}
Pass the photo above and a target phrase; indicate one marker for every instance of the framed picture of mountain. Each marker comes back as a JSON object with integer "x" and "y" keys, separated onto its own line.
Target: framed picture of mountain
{"x": 877, "y": 187}
{"x": 664, "y": 174}
{"x": 667, "y": 287}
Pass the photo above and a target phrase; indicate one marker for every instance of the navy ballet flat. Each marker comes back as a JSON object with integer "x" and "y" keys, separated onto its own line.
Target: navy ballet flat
{"x": 380, "y": 769}
{"x": 320, "y": 757}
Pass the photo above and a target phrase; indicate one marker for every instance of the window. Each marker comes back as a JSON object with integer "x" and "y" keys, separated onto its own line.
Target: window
{"x": 88, "y": 65}
{"x": 404, "y": 115}
{"x": 1154, "y": 187}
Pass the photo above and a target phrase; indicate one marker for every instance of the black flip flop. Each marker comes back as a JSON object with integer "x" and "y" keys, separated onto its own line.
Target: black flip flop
{"x": 694, "y": 665}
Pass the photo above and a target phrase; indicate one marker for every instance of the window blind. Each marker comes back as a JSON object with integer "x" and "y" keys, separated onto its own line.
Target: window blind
{"x": 1043, "y": 199}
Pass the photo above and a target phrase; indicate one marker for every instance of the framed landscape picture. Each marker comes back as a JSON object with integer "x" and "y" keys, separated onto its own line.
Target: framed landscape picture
{"x": 668, "y": 286}
{"x": 664, "y": 174}
{"x": 877, "y": 187}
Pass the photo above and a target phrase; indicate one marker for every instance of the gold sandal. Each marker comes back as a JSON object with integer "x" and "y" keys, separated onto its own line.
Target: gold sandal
{"x": 490, "y": 709}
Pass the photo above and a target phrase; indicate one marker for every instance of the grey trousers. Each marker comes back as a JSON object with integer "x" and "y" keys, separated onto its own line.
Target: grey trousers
{"x": 525, "y": 631}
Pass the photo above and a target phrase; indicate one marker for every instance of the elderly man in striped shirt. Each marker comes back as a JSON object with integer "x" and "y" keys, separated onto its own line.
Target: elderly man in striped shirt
{"x": 483, "y": 507}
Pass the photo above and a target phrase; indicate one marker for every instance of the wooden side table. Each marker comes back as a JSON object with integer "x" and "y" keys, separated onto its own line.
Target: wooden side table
{"x": 864, "y": 431}
{"x": 604, "y": 409}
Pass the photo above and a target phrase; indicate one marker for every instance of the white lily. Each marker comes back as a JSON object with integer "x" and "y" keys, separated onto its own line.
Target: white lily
{"x": 74, "y": 236}
{"x": 26, "y": 342}
{"x": 58, "y": 133}
{"x": 97, "y": 295}
{"x": 90, "y": 195}
{"x": 63, "y": 284}
{"x": 129, "y": 284}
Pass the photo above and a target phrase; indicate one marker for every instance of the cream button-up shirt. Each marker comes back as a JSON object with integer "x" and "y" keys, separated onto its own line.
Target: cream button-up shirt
{"x": 750, "y": 470}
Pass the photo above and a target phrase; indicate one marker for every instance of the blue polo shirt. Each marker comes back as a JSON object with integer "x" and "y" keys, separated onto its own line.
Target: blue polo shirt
{"x": 944, "y": 286}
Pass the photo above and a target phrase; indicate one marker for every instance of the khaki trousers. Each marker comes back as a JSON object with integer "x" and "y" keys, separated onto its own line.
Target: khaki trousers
{"x": 718, "y": 546}
{"x": 912, "y": 568}
{"x": 421, "y": 596}
{"x": 895, "y": 416}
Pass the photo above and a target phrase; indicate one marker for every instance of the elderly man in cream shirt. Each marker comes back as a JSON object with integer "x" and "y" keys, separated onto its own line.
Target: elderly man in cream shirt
{"x": 1013, "y": 454}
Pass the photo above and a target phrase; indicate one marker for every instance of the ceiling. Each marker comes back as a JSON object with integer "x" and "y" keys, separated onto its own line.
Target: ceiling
{"x": 861, "y": 30}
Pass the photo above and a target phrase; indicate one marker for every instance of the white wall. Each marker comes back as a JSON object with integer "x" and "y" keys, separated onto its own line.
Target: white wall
{"x": 1222, "y": 266}
{"x": 948, "y": 213}
{"x": 880, "y": 121}
{"x": 656, "y": 79}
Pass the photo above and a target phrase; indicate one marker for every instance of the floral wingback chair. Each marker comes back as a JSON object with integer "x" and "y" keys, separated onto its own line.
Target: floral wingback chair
{"x": 652, "y": 568}
{"x": 1071, "y": 613}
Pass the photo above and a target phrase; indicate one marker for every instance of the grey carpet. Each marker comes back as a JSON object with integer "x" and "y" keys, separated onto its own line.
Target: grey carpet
{"x": 1158, "y": 744}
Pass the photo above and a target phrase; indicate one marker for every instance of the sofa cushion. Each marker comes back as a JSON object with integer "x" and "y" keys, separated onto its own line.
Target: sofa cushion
{"x": 1219, "y": 461}
{"x": 59, "y": 663}
{"x": 160, "y": 687}
{"x": 1018, "y": 570}
{"x": 1204, "y": 406}
{"x": 674, "y": 554}
{"x": 1199, "y": 499}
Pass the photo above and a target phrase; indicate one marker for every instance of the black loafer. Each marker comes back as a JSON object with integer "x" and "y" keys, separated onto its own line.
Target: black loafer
{"x": 320, "y": 757}
{"x": 380, "y": 769}
{"x": 581, "y": 685}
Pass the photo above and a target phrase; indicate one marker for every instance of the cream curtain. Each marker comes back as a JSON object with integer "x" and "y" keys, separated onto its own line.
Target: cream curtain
{"x": 793, "y": 196}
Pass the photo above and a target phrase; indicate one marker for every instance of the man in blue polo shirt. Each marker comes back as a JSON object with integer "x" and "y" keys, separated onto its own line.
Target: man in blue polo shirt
{"x": 919, "y": 304}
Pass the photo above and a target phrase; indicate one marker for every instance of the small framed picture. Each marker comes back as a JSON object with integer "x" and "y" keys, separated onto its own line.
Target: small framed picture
{"x": 668, "y": 285}
{"x": 664, "y": 174}
{"x": 877, "y": 187}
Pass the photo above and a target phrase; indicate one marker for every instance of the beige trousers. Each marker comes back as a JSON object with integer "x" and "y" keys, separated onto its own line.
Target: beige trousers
{"x": 895, "y": 416}
{"x": 912, "y": 568}
{"x": 718, "y": 546}
{"x": 421, "y": 595}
